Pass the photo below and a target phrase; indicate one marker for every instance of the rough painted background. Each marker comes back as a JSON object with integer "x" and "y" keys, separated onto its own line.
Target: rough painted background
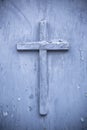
{"x": 67, "y": 71}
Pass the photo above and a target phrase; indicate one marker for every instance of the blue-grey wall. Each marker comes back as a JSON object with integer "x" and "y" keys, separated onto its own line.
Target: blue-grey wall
{"x": 67, "y": 71}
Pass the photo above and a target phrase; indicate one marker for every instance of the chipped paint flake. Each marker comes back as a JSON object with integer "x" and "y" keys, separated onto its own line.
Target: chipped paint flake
{"x": 5, "y": 113}
{"x": 82, "y": 119}
{"x": 86, "y": 94}
{"x": 19, "y": 99}
{"x": 30, "y": 108}
{"x": 78, "y": 86}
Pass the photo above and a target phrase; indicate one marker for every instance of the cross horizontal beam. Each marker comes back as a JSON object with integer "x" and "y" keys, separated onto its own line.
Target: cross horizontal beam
{"x": 44, "y": 45}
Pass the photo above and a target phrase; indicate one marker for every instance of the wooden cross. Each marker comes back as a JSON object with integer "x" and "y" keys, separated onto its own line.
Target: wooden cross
{"x": 43, "y": 45}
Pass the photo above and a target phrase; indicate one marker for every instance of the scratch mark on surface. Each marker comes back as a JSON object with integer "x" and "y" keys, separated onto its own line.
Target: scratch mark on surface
{"x": 22, "y": 14}
{"x": 81, "y": 55}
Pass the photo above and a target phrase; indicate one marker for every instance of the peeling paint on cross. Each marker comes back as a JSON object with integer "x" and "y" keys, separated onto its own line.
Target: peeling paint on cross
{"x": 43, "y": 45}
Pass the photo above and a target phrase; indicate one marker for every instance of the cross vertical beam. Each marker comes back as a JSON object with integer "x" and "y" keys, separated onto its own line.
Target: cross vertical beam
{"x": 43, "y": 70}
